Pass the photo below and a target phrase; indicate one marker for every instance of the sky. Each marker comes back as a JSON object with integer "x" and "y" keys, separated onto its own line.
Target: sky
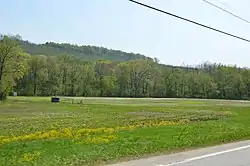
{"x": 122, "y": 25}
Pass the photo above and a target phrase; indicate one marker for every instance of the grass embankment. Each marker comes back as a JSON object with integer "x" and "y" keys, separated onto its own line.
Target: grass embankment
{"x": 93, "y": 131}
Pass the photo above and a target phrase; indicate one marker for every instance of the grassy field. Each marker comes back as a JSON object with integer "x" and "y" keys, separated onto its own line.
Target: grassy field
{"x": 93, "y": 131}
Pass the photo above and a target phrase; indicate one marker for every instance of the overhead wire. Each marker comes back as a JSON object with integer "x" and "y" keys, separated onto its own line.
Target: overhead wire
{"x": 190, "y": 21}
{"x": 216, "y": 6}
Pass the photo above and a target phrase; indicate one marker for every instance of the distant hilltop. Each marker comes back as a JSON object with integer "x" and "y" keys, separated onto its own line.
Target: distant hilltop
{"x": 84, "y": 52}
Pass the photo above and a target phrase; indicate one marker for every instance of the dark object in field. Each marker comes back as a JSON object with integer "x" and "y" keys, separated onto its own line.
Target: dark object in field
{"x": 55, "y": 99}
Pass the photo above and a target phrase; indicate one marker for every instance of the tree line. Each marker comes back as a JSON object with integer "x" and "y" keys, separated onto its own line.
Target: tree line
{"x": 67, "y": 75}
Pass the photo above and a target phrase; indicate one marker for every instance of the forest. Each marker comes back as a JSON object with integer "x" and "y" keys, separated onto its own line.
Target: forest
{"x": 68, "y": 70}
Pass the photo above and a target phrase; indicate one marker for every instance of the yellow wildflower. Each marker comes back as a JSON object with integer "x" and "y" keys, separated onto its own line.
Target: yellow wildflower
{"x": 109, "y": 130}
{"x": 29, "y": 157}
{"x": 84, "y": 132}
{"x": 101, "y": 139}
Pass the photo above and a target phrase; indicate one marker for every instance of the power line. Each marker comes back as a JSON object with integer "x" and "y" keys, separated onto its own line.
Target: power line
{"x": 205, "y": 26}
{"x": 214, "y": 5}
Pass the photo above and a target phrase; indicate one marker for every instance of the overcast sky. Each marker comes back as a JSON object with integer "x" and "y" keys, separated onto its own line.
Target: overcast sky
{"x": 120, "y": 24}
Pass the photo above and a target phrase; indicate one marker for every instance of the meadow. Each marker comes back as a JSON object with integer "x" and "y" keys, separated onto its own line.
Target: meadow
{"x": 97, "y": 131}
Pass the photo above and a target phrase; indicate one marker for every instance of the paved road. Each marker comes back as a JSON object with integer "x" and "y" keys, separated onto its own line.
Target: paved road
{"x": 234, "y": 154}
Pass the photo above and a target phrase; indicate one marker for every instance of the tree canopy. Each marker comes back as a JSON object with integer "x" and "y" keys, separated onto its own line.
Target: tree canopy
{"x": 64, "y": 73}
{"x": 12, "y": 65}
{"x": 84, "y": 52}
{"x": 68, "y": 76}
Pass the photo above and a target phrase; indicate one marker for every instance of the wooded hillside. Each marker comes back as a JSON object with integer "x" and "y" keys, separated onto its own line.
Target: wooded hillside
{"x": 72, "y": 75}
{"x": 83, "y": 52}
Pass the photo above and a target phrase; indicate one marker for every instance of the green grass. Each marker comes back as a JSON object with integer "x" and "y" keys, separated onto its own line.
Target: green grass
{"x": 93, "y": 131}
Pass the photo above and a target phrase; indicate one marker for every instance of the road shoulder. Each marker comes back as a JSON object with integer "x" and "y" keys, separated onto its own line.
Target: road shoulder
{"x": 182, "y": 156}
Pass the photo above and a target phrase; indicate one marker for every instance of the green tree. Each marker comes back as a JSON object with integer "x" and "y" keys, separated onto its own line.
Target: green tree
{"x": 38, "y": 72}
{"x": 141, "y": 73}
{"x": 12, "y": 65}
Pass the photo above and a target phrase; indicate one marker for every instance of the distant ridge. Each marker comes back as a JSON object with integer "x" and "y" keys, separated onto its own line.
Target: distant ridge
{"x": 84, "y": 52}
